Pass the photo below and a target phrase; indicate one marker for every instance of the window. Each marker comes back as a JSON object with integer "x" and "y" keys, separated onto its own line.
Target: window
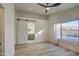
{"x": 57, "y": 31}
{"x": 67, "y": 31}
{"x": 70, "y": 31}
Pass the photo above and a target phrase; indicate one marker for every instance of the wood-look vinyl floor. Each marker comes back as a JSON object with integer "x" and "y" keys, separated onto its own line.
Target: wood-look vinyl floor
{"x": 42, "y": 49}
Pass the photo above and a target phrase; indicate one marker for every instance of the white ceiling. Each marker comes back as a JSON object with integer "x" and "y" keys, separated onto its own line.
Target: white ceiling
{"x": 25, "y": 7}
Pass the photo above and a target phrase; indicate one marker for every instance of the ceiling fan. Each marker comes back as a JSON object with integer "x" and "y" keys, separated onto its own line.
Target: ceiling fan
{"x": 47, "y": 6}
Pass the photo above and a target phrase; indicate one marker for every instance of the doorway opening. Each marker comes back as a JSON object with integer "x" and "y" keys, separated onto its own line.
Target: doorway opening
{"x": 31, "y": 30}
{"x": 1, "y": 30}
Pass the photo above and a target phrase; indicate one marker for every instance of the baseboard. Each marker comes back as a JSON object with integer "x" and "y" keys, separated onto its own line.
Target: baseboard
{"x": 30, "y": 43}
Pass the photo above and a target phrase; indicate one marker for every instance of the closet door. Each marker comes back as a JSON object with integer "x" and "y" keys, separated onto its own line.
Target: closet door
{"x": 1, "y": 31}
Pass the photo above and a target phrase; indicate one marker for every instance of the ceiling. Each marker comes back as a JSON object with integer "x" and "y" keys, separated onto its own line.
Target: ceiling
{"x": 35, "y": 8}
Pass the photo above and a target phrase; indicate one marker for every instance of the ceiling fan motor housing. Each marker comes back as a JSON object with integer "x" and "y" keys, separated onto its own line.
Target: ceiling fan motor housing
{"x": 47, "y": 6}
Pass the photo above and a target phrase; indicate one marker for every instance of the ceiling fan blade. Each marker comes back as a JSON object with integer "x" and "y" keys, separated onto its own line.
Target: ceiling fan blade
{"x": 42, "y": 5}
{"x": 54, "y": 5}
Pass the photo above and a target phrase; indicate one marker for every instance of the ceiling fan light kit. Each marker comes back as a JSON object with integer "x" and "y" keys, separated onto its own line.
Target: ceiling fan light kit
{"x": 47, "y": 8}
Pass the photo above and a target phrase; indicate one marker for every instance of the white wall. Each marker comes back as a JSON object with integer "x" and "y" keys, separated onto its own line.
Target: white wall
{"x": 41, "y": 30}
{"x": 60, "y": 17}
{"x": 41, "y": 25}
{"x": 9, "y": 29}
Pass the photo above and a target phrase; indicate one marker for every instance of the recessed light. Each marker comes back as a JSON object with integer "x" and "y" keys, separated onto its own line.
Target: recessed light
{"x": 29, "y": 8}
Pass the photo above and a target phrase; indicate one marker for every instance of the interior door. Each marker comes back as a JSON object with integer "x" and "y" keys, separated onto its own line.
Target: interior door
{"x": 1, "y": 30}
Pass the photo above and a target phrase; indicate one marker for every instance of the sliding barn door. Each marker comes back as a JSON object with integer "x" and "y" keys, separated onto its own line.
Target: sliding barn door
{"x": 22, "y": 32}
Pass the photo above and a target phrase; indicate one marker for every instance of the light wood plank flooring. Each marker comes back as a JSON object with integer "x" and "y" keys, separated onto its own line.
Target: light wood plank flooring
{"x": 42, "y": 49}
